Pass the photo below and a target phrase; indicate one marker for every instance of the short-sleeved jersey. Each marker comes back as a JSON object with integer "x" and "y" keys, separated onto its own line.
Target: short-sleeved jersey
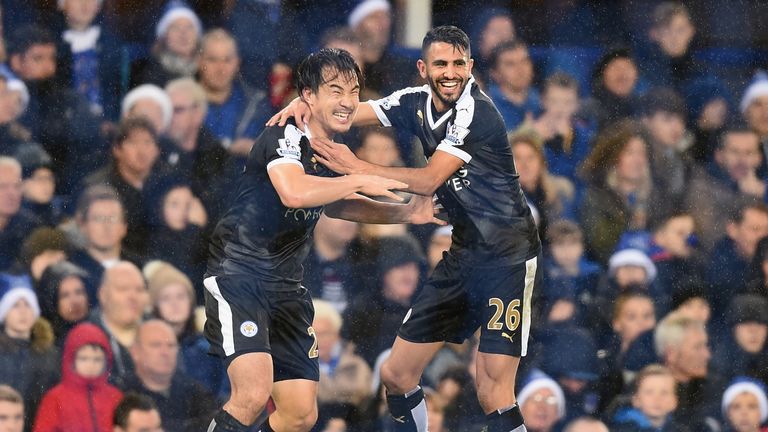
{"x": 258, "y": 235}
{"x": 485, "y": 204}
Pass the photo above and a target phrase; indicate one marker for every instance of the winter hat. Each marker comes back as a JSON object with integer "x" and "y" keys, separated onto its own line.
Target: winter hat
{"x": 14, "y": 288}
{"x": 174, "y": 13}
{"x": 746, "y": 385}
{"x": 18, "y": 86}
{"x": 757, "y": 88}
{"x": 747, "y": 308}
{"x": 149, "y": 91}
{"x": 32, "y": 156}
{"x": 632, "y": 257}
{"x": 365, "y": 8}
{"x": 395, "y": 251}
{"x": 40, "y": 240}
{"x": 572, "y": 353}
{"x": 537, "y": 381}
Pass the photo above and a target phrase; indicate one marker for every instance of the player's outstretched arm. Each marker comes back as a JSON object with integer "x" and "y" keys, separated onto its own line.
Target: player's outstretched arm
{"x": 299, "y": 110}
{"x": 422, "y": 181}
{"x": 419, "y": 210}
{"x": 299, "y": 190}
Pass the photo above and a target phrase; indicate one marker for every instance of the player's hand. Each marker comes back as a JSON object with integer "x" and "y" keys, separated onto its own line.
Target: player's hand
{"x": 422, "y": 210}
{"x": 336, "y": 157}
{"x": 298, "y": 109}
{"x": 375, "y": 186}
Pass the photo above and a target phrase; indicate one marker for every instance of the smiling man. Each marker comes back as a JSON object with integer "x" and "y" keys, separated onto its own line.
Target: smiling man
{"x": 259, "y": 316}
{"x": 488, "y": 276}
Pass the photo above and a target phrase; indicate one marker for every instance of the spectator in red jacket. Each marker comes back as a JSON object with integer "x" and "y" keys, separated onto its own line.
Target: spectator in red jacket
{"x": 83, "y": 400}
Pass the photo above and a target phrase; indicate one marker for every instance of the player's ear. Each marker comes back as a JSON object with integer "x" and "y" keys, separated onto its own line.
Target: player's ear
{"x": 422, "y": 68}
{"x": 306, "y": 95}
{"x": 471, "y": 65}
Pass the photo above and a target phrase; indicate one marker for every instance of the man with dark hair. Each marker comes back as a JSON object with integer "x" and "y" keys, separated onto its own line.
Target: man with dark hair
{"x": 729, "y": 179}
{"x": 58, "y": 118}
{"x": 510, "y": 86}
{"x": 134, "y": 172}
{"x": 488, "y": 277}
{"x": 137, "y": 413}
{"x": 259, "y": 315}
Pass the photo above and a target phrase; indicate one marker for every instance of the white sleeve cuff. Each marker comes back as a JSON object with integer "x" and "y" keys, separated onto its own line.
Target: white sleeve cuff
{"x": 455, "y": 151}
{"x": 380, "y": 113}
{"x": 283, "y": 160}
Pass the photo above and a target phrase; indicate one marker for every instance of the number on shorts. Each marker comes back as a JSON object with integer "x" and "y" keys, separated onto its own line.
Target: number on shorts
{"x": 511, "y": 318}
{"x": 312, "y": 351}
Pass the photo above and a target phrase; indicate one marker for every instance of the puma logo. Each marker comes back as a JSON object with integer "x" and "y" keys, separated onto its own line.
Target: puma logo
{"x": 504, "y": 334}
{"x": 400, "y": 419}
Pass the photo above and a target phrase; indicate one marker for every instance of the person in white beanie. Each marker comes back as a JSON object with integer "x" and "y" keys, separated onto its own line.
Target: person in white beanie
{"x": 385, "y": 71}
{"x": 754, "y": 105}
{"x": 542, "y": 403}
{"x": 151, "y": 102}
{"x": 28, "y": 361}
{"x": 744, "y": 405}
{"x": 631, "y": 266}
{"x": 175, "y": 52}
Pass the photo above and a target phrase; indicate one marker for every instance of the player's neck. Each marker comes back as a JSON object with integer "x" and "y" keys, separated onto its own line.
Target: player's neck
{"x": 316, "y": 129}
{"x": 439, "y": 106}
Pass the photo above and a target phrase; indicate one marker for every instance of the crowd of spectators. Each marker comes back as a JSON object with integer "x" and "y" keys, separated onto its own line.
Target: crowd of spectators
{"x": 124, "y": 125}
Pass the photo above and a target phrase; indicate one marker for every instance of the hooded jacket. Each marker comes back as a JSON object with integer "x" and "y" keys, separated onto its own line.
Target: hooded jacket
{"x": 79, "y": 403}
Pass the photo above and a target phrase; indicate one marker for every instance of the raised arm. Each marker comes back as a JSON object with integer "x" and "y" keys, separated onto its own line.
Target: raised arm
{"x": 419, "y": 210}
{"x": 299, "y": 110}
{"x": 299, "y": 190}
{"x": 422, "y": 181}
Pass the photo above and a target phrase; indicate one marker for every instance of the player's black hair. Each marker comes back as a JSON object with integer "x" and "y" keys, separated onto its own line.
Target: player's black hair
{"x": 131, "y": 402}
{"x": 448, "y": 34}
{"x": 326, "y": 65}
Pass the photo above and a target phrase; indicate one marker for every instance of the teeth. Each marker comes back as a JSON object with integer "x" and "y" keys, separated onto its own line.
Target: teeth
{"x": 449, "y": 84}
{"x": 342, "y": 116}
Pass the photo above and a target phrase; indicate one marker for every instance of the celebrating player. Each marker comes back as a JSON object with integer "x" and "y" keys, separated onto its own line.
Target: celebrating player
{"x": 488, "y": 277}
{"x": 259, "y": 317}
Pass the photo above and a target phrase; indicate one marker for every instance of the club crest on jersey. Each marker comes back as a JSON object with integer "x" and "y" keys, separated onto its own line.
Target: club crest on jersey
{"x": 456, "y": 134}
{"x": 249, "y": 329}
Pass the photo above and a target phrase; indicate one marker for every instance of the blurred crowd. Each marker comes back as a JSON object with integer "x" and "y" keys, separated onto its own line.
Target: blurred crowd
{"x": 124, "y": 125}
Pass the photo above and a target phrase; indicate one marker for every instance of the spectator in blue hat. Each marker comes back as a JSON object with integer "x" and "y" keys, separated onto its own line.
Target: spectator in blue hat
{"x": 744, "y": 406}
{"x": 28, "y": 360}
{"x": 372, "y": 320}
{"x": 570, "y": 358}
{"x": 740, "y": 349}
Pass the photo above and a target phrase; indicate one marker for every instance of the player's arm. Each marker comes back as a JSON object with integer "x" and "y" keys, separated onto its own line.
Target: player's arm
{"x": 419, "y": 210}
{"x": 300, "y": 190}
{"x": 299, "y": 110}
{"x": 422, "y": 181}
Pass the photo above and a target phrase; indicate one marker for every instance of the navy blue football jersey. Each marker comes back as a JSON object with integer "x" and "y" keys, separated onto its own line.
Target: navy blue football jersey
{"x": 485, "y": 204}
{"x": 258, "y": 235}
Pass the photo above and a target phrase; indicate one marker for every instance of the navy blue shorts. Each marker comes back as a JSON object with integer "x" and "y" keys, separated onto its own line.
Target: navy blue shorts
{"x": 242, "y": 317}
{"x": 457, "y": 299}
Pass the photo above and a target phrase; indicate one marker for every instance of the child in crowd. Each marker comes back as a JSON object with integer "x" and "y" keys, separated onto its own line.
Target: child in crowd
{"x": 654, "y": 399}
{"x": 83, "y": 400}
{"x": 28, "y": 360}
{"x": 745, "y": 406}
{"x": 567, "y": 140}
{"x": 570, "y": 276}
{"x": 177, "y": 234}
